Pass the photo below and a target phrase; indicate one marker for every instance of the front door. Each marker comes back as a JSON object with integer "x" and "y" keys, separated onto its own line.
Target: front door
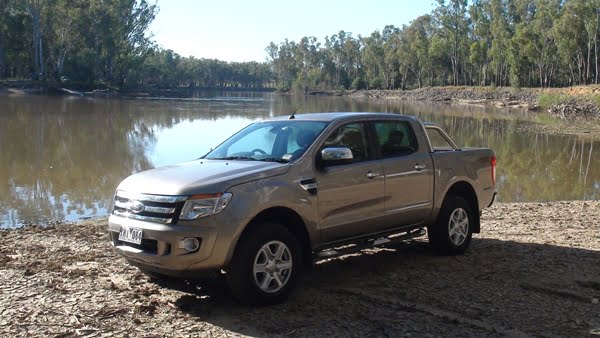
{"x": 350, "y": 195}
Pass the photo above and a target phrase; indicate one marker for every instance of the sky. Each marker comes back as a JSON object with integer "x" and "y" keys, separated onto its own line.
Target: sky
{"x": 240, "y": 30}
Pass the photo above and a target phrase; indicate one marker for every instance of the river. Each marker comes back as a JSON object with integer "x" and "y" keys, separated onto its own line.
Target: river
{"x": 61, "y": 158}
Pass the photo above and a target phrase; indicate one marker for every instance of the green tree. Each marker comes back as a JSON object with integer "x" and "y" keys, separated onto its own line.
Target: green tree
{"x": 373, "y": 59}
{"x": 36, "y": 9}
{"x": 479, "y": 50}
{"x": 4, "y": 15}
{"x": 500, "y": 39}
{"x": 64, "y": 34}
{"x": 414, "y": 50}
{"x": 541, "y": 44}
{"x": 118, "y": 36}
{"x": 571, "y": 40}
{"x": 454, "y": 29}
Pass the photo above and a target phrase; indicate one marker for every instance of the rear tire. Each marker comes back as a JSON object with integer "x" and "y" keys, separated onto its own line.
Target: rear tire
{"x": 266, "y": 265}
{"x": 452, "y": 232}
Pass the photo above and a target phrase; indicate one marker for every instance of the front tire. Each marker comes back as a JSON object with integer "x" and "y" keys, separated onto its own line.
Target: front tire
{"x": 453, "y": 230}
{"x": 265, "y": 266}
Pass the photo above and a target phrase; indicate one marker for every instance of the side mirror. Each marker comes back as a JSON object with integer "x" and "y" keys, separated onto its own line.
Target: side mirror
{"x": 336, "y": 156}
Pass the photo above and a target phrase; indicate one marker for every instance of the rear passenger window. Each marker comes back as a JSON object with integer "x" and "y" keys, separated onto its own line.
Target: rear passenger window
{"x": 395, "y": 138}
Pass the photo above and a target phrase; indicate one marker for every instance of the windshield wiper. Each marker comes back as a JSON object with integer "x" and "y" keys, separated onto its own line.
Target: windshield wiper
{"x": 232, "y": 158}
{"x": 273, "y": 159}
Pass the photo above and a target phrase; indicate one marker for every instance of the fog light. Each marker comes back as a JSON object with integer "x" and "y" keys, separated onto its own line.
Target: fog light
{"x": 189, "y": 244}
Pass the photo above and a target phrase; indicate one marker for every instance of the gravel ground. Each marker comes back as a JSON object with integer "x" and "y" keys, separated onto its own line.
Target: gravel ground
{"x": 534, "y": 271}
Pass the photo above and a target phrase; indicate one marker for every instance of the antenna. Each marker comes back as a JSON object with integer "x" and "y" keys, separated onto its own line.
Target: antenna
{"x": 294, "y": 112}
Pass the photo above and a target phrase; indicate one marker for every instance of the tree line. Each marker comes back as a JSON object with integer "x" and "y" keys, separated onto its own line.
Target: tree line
{"x": 97, "y": 42}
{"x": 520, "y": 43}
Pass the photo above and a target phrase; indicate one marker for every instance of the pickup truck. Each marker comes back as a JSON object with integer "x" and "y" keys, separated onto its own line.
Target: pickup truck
{"x": 283, "y": 193}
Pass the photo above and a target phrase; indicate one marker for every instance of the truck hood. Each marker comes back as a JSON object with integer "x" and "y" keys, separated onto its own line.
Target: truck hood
{"x": 199, "y": 177}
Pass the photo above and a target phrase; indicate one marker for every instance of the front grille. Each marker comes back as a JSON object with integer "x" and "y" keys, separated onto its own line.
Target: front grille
{"x": 150, "y": 208}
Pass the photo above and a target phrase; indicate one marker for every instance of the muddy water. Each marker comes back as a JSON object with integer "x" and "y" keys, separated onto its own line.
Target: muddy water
{"x": 62, "y": 157}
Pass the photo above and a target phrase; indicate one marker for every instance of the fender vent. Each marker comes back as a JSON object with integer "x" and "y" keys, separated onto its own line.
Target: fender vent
{"x": 310, "y": 185}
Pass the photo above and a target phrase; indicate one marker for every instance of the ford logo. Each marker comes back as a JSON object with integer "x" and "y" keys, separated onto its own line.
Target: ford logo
{"x": 136, "y": 207}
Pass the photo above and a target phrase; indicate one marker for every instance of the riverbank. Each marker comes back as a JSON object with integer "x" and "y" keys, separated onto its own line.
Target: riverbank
{"x": 572, "y": 102}
{"x": 26, "y": 87}
{"x": 65, "y": 280}
{"x": 570, "y": 111}
{"x": 581, "y": 102}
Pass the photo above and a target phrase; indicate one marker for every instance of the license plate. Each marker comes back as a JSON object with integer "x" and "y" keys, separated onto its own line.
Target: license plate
{"x": 131, "y": 235}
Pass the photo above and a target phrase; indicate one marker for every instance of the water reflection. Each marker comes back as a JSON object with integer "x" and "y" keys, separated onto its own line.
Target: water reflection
{"x": 532, "y": 166}
{"x": 61, "y": 158}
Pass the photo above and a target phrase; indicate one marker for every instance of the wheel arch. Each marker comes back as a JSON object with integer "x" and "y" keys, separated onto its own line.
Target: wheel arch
{"x": 466, "y": 191}
{"x": 288, "y": 218}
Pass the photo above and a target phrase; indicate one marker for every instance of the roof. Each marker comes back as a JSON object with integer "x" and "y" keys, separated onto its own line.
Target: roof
{"x": 339, "y": 115}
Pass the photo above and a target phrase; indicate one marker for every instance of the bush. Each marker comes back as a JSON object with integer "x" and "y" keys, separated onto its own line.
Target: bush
{"x": 546, "y": 100}
{"x": 376, "y": 83}
{"x": 283, "y": 87}
{"x": 359, "y": 83}
{"x": 298, "y": 86}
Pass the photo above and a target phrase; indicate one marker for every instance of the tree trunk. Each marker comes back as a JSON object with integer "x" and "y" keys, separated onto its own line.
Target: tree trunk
{"x": 581, "y": 70}
{"x": 38, "y": 55}
{"x": 464, "y": 69}
{"x": 2, "y": 66}
{"x": 587, "y": 66}
{"x": 596, "y": 44}
{"x": 596, "y": 53}
{"x": 41, "y": 58}
{"x": 485, "y": 67}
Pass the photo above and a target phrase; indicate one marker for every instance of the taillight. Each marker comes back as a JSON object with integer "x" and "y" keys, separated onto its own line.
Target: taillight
{"x": 493, "y": 170}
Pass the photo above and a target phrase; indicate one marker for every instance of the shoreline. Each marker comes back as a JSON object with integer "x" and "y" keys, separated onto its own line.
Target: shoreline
{"x": 500, "y": 97}
{"x": 67, "y": 280}
{"x": 568, "y": 111}
{"x": 557, "y": 101}
{"x": 26, "y": 87}
{"x": 581, "y": 102}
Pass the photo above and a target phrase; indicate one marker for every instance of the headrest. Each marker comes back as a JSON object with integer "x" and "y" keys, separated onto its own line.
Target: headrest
{"x": 305, "y": 138}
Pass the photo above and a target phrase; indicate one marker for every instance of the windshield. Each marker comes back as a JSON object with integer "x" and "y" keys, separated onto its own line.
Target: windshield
{"x": 276, "y": 141}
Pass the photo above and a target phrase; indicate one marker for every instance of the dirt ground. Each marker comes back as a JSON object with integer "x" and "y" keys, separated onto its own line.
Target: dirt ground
{"x": 533, "y": 271}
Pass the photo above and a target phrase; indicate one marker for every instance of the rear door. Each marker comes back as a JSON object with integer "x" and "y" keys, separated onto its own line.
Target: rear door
{"x": 350, "y": 195}
{"x": 408, "y": 171}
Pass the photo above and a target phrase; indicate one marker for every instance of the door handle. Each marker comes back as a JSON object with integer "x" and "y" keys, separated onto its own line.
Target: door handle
{"x": 371, "y": 174}
{"x": 420, "y": 166}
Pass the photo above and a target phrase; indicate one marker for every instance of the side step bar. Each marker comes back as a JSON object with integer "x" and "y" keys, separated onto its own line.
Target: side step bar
{"x": 365, "y": 244}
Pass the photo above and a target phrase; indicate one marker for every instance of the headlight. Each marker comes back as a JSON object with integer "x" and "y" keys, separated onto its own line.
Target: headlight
{"x": 199, "y": 206}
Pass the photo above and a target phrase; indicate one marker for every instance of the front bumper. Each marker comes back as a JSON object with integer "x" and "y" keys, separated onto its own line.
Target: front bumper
{"x": 160, "y": 248}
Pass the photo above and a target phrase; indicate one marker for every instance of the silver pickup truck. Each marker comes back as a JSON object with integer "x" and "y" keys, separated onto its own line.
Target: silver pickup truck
{"x": 287, "y": 191}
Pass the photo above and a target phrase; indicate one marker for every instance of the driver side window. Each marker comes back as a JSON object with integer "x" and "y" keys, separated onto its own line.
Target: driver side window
{"x": 352, "y": 136}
